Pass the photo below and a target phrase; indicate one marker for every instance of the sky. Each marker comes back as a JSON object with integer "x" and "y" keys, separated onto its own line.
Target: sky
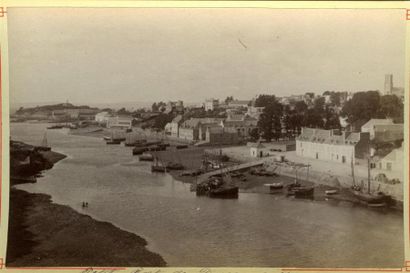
{"x": 101, "y": 55}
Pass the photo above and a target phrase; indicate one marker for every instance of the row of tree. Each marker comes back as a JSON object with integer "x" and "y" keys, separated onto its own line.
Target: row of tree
{"x": 278, "y": 120}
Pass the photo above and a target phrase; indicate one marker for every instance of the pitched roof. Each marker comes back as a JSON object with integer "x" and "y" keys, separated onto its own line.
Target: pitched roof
{"x": 375, "y": 121}
{"x": 256, "y": 145}
{"x": 333, "y": 137}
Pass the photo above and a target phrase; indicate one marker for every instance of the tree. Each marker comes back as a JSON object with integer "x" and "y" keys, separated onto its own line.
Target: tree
{"x": 300, "y": 107}
{"x": 229, "y": 99}
{"x": 122, "y": 111}
{"x": 162, "y": 120}
{"x": 392, "y": 107}
{"x": 154, "y": 107}
{"x": 254, "y": 134}
{"x": 270, "y": 120}
{"x": 331, "y": 120}
{"x": 313, "y": 119}
{"x": 363, "y": 106}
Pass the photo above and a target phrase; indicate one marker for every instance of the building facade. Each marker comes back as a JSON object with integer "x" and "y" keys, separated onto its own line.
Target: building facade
{"x": 222, "y": 136}
{"x": 383, "y": 130}
{"x": 332, "y": 145}
{"x": 211, "y": 104}
{"x": 394, "y": 161}
{"x": 120, "y": 122}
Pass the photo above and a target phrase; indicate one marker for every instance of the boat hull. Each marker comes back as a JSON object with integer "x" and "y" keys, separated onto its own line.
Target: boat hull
{"x": 158, "y": 169}
{"x": 231, "y": 192}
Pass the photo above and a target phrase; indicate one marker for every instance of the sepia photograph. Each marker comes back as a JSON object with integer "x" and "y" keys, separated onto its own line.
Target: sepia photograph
{"x": 206, "y": 137}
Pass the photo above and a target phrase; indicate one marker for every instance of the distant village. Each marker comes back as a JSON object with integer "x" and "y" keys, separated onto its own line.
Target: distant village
{"x": 341, "y": 127}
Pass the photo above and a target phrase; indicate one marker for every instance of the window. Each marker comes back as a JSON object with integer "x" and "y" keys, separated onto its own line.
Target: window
{"x": 388, "y": 166}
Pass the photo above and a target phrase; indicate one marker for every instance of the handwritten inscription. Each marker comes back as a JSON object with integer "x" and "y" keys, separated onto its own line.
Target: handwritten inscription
{"x": 91, "y": 270}
{"x": 147, "y": 270}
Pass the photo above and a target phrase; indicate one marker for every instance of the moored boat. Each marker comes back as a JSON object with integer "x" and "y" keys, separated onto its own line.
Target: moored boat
{"x": 370, "y": 198}
{"x": 146, "y": 157}
{"x": 175, "y": 166}
{"x": 157, "y": 167}
{"x": 331, "y": 192}
{"x": 181, "y": 146}
{"x": 224, "y": 192}
{"x": 139, "y": 150}
{"x": 114, "y": 141}
{"x": 304, "y": 191}
{"x": 55, "y": 127}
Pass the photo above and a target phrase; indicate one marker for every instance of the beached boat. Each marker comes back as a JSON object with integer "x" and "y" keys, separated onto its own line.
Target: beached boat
{"x": 304, "y": 191}
{"x": 111, "y": 142}
{"x": 55, "y": 127}
{"x": 146, "y": 157}
{"x": 44, "y": 144}
{"x": 139, "y": 150}
{"x": 378, "y": 198}
{"x": 181, "y": 146}
{"x": 275, "y": 186}
{"x": 218, "y": 187}
{"x": 367, "y": 197}
{"x": 175, "y": 166}
{"x": 158, "y": 167}
{"x": 224, "y": 192}
{"x": 191, "y": 172}
{"x": 331, "y": 192}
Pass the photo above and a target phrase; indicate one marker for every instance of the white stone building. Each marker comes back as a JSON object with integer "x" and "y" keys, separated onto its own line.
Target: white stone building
{"x": 383, "y": 130}
{"x": 332, "y": 145}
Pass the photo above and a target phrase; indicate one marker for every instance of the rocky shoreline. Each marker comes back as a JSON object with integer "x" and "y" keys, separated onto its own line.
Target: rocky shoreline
{"x": 42, "y": 233}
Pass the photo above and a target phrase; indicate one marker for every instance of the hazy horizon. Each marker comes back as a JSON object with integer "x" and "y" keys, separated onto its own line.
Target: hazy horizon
{"x": 108, "y": 56}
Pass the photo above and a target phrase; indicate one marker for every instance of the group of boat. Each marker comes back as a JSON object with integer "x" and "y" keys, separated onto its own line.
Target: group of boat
{"x": 218, "y": 187}
{"x": 295, "y": 189}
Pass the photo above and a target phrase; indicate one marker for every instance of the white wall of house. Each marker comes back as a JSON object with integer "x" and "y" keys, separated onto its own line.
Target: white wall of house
{"x": 327, "y": 152}
{"x": 119, "y": 122}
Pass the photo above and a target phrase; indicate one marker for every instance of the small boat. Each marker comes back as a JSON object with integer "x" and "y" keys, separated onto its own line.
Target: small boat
{"x": 370, "y": 198}
{"x": 331, "y": 192}
{"x": 224, "y": 192}
{"x": 44, "y": 144}
{"x": 154, "y": 148}
{"x": 139, "y": 151}
{"x": 106, "y": 138}
{"x": 55, "y": 127}
{"x": 191, "y": 173}
{"x": 377, "y": 205}
{"x": 114, "y": 141}
{"x": 304, "y": 191}
{"x": 175, "y": 166}
{"x": 159, "y": 168}
{"x": 275, "y": 186}
{"x": 181, "y": 146}
{"x": 146, "y": 157}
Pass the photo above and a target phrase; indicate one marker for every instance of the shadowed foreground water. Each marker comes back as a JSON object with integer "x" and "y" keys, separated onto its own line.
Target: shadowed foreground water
{"x": 255, "y": 230}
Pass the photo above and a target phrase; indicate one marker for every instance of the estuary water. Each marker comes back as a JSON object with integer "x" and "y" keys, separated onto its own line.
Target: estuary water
{"x": 258, "y": 230}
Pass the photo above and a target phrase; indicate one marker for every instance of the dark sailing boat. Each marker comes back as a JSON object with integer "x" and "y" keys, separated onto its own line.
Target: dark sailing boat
{"x": 113, "y": 140}
{"x": 368, "y": 197}
{"x": 44, "y": 144}
{"x": 298, "y": 190}
{"x": 220, "y": 186}
{"x": 157, "y": 166}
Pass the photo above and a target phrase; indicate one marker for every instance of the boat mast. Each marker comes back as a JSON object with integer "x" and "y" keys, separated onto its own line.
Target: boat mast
{"x": 44, "y": 142}
{"x": 307, "y": 172}
{"x": 352, "y": 165}
{"x": 368, "y": 168}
